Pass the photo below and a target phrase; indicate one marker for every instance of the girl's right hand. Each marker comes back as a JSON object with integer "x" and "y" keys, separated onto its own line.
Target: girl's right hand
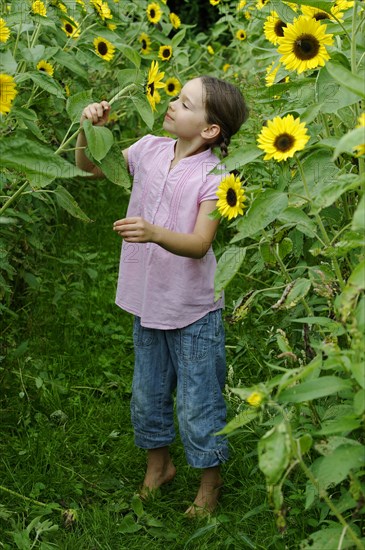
{"x": 97, "y": 113}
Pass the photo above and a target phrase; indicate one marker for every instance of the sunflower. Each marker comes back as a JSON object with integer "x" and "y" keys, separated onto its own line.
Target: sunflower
{"x": 4, "y": 31}
{"x": 104, "y": 48}
{"x": 145, "y": 41}
{"x": 39, "y": 8}
{"x": 210, "y": 50}
{"x": 154, "y": 13}
{"x": 360, "y": 149}
{"x": 111, "y": 26}
{"x": 241, "y": 34}
{"x": 46, "y": 67}
{"x": 319, "y": 15}
{"x": 282, "y": 137}
{"x": 165, "y": 53}
{"x": 231, "y": 197}
{"x": 226, "y": 66}
{"x": 102, "y": 9}
{"x": 71, "y": 28}
{"x": 172, "y": 86}
{"x": 153, "y": 83}
{"x": 255, "y": 398}
{"x": 174, "y": 20}
{"x": 7, "y": 92}
{"x": 273, "y": 28}
{"x": 261, "y": 3}
{"x": 271, "y": 72}
{"x": 303, "y": 44}
{"x": 214, "y": 2}
{"x": 62, "y": 7}
{"x": 241, "y": 5}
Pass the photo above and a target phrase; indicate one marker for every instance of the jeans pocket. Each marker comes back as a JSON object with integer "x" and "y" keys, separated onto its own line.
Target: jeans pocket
{"x": 195, "y": 339}
{"x": 142, "y": 337}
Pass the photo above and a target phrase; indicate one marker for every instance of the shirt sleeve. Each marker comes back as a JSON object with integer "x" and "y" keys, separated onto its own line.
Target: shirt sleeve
{"x": 210, "y": 186}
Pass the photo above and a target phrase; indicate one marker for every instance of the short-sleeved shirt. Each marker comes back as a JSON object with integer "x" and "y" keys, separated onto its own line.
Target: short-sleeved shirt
{"x": 165, "y": 290}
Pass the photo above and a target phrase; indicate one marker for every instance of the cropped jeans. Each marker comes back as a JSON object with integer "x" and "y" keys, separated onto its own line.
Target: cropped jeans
{"x": 192, "y": 361}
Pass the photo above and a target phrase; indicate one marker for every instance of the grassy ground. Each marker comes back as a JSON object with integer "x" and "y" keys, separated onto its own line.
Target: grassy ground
{"x": 66, "y": 436}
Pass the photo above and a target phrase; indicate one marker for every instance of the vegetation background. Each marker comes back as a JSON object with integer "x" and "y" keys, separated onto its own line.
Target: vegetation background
{"x": 292, "y": 266}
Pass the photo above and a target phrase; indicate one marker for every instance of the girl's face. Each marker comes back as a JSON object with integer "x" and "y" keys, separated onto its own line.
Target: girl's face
{"x": 185, "y": 117}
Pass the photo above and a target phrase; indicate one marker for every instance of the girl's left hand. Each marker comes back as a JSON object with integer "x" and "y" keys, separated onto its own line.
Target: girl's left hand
{"x": 135, "y": 230}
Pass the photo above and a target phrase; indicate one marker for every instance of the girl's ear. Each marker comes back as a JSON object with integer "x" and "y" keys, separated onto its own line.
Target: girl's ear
{"x": 211, "y": 132}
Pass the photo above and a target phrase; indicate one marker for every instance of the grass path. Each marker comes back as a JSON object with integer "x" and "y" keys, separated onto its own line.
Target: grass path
{"x": 66, "y": 433}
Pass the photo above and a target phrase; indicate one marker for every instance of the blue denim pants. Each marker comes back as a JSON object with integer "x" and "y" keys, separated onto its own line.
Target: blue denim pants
{"x": 192, "y": 361}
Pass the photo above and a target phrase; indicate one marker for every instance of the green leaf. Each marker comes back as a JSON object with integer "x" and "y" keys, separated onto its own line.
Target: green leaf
{"x": 76, "y": 104}
{"x": 349, "y": 141}
{"x": 144, "y": 109}
{"x": 332, "y": 469}
{"x": 359, "y": 402}
{"x": 179, "y": 37}
{"x": 358, "y": 372}
{"x": 129, "y": 76}
{"x": 137, "y": 506}
{"x": 339, "y": 425}
{"x": 241, "y": 419}
{"x": 47, "y": 83}
{"x": 8, "y": 64}
{"x": 99, "y": 139}
{"x": 70, "y": 62}
{"x": 242, "y": 156}
{"x": 228, "y": 265}
{"x": 36, "y": 160}
{"x": 346, "y": 78}
{"x": 300, "y": 290}
{"x": 128, "y": 525}
{"x": 334, "y": 327}
{"x": 265, "y": 209}
{"x": 66, "y": 201}
{"x": 274, "y": 453}
{"x": 313, "y": 389}
{"x": 358, "y": 221}
{"x": 114, "y": 167}
{"x": 331, "y": 94}
{"x": 328, "y": 539}
{"x": 299, "y": 219}
{"x": 131, "y": 54}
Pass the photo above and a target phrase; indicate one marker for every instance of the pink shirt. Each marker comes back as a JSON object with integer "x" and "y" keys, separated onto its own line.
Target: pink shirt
{"x": 165, "y": 290}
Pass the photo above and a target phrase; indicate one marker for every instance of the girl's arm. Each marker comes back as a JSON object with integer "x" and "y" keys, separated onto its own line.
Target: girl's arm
{"x": 191, "y": 245}
{"x": 98, "y": 114}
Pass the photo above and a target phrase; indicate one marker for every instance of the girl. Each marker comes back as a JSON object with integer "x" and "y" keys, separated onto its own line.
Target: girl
{"x": 166, "y": 280}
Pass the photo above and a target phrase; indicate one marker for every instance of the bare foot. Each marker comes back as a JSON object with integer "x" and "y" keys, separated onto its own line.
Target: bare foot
{"x": 207, "y": 497}
{"x": 160, "y": 470}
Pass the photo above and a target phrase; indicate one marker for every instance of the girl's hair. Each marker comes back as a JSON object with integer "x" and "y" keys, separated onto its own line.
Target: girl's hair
{"x": 225, "y": 106}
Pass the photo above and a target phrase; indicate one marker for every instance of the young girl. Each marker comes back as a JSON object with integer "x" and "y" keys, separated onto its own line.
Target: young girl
{"x": 166, "y": 280}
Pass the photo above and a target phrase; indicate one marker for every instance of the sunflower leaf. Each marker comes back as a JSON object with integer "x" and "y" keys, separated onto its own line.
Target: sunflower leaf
{"x": 324, "y": 5}
{"x": 264, "y": 210}
{"x": 99, "y": 139}
{"x": 349, "y": 141}
{"x": 144, "y": 109}
{"x": 346, "y": 78}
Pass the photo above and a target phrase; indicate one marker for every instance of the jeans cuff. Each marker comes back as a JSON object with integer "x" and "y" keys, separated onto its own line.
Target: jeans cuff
{"x": 208, "y": 459}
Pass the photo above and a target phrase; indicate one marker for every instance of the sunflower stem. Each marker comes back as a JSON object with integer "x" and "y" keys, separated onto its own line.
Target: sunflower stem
{"x": 321, "y": 226}
{"x": 13, "y": 197}
{"x": 122, "y": 92}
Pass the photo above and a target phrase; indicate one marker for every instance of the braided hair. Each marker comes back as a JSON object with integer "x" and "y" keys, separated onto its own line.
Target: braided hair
{"x": 224, "y": 106}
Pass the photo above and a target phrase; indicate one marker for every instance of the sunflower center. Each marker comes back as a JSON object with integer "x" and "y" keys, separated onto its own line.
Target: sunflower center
{"x": 151, "y": 88}
{"x": 231, "y": 197}
{"x": 69, "y": 28}
{"x": 306, "y": 47}
{"x": 321, "y": 16}
{"x": 42, "y": 69}
{"x": 102, "y": 48}
{"x": 144, "y": 44}
{"x": 284, "y": 142}
{"x": 152, "y": 13}
{"x": 171, "y": 87}
{"x": 166, "y": 53}
{"x": 279, "y": 26}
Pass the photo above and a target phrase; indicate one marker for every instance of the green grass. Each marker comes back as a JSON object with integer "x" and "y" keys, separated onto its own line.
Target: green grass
{"x": 66, "y": 436}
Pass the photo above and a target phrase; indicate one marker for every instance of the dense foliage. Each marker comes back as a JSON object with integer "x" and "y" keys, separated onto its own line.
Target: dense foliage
{"x": 292, "y": 264}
